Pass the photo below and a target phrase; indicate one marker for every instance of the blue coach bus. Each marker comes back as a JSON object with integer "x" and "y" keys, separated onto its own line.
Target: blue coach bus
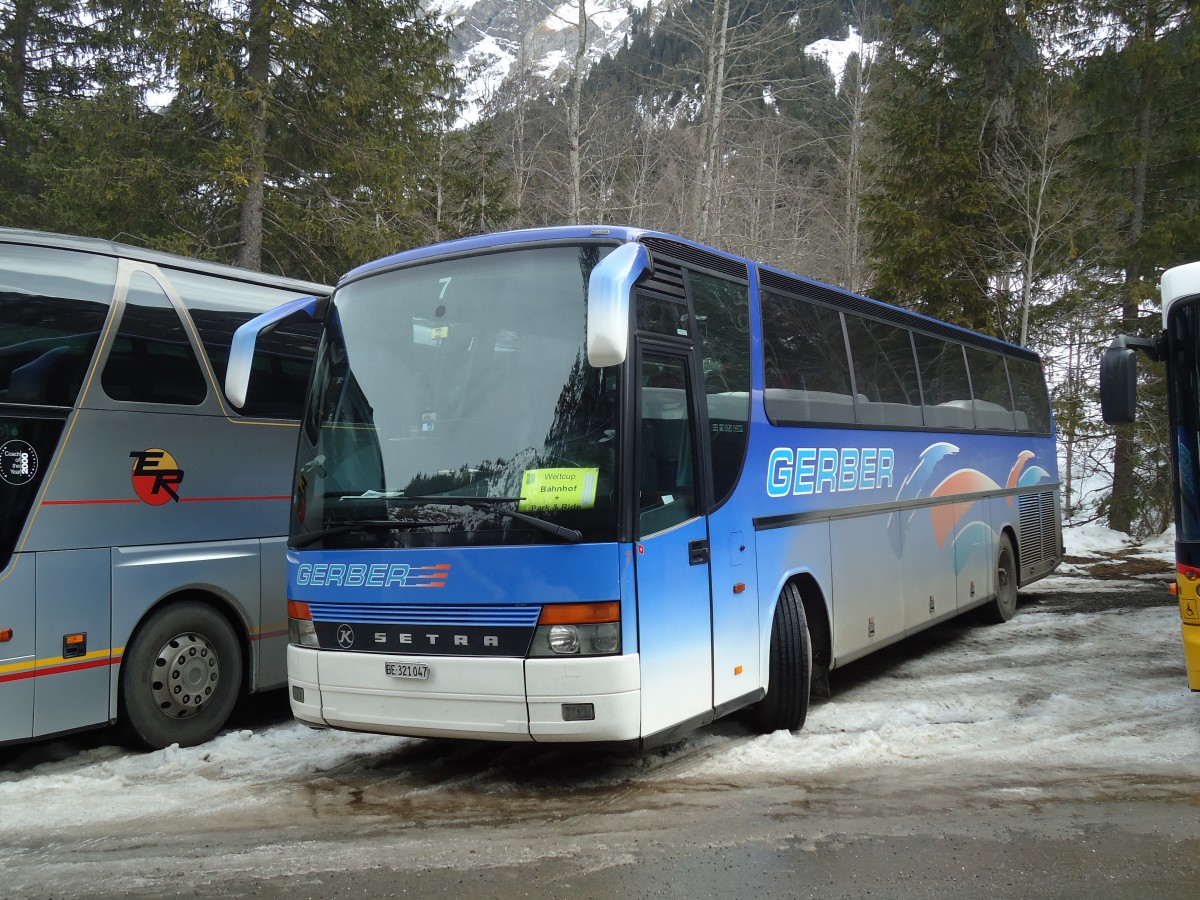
{"x": 606, "y": 485}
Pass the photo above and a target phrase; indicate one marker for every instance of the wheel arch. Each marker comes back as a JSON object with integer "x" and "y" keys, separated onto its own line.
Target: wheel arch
{"x": 816, "y": 611}
{"x": 1016, "y": 545}
{"x": 223, "y": 605}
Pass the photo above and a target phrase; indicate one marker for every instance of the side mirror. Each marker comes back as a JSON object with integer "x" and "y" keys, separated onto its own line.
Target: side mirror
{"x": 1118, "y": 375}
{"x": 609, "y": 290}
{"x": 1118, "y": 383}
{"x": 241, "y": 350}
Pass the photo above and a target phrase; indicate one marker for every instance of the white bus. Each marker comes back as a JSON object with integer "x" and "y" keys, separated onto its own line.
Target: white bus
{"x": 141, "y": 516}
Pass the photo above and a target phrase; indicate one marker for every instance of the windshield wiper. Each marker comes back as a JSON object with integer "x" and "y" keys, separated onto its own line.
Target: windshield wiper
{"x": 570, "y": 535}
{"x": 311, "y": 537}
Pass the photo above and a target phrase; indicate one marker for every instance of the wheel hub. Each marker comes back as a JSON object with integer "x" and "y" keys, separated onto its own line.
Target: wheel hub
{"x": 186, "y": 675}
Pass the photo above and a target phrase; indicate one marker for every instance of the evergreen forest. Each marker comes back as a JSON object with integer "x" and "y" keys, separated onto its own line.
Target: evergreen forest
{"x": 1026, "y": 169}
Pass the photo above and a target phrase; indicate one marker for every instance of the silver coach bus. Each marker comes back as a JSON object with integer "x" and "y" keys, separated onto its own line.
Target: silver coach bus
{"x": 142, "y": 518}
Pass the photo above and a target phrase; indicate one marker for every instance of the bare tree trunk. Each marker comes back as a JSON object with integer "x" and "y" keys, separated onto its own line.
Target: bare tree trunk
{"x": 854, "y": 180}
{"x": 16, "y": 63}
{"x": 258, "y": 73}
{"x": 573, "y": 127}
{"x": 1123, "y": 502}
{"x": 714, "y": 94}
{"x": 520, "y": 160}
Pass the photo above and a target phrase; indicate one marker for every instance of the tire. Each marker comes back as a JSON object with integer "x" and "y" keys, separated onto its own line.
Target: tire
{"x": 180, "y": 677}
{"x": 789, "y": 683}
{"x": 1004, "y": 606}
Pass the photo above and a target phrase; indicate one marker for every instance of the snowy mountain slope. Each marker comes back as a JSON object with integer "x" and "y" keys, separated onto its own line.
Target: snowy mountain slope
{"x": 489, "y": 36}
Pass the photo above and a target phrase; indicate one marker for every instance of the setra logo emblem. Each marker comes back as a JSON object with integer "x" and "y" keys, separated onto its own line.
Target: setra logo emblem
{"x": 156, "y": 475}
{"x": 345, "y": 637}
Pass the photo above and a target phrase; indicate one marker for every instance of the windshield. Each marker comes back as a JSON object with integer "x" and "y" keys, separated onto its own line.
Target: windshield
{"x": 460, "y": 378}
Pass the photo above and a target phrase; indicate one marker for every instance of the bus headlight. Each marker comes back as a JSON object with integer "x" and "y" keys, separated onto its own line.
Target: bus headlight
{"x": 578, "y": 629}
{"x": 301, "y": 630}
{"x": 564, "y": 638}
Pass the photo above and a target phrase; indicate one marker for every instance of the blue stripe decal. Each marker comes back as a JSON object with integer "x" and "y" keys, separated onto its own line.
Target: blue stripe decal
{"x": 414, "y": 614}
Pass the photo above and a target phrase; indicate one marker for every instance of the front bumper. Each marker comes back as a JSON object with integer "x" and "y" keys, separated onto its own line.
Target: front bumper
{"x": 480, "y": 698}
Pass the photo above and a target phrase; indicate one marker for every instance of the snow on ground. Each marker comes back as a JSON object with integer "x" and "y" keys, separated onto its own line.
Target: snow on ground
{"x": 1103, "y": 691}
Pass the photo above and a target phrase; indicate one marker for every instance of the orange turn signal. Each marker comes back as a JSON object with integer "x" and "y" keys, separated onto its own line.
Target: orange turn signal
{"x": 6, "y": 635}
{"x": 298, "y": 610}
{"x": 580, "y": 613}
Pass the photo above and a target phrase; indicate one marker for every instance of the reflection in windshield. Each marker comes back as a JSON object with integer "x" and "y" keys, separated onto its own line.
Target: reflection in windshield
{"x": 464, "y": 377}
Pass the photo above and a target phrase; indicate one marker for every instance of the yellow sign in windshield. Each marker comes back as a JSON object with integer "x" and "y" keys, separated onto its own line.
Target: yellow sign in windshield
{"x": 546, "y": 489}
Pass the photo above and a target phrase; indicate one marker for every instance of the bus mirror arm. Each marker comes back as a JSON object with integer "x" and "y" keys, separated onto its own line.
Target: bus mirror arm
{"x": 1118, "y": 375}
{"x": 609, "y": 288}
{"x": 241, "y": 350}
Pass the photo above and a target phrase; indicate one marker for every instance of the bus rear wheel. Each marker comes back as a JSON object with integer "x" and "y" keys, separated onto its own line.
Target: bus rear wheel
{"x": 180, "y": 677}
{"x": 789, "y": 683}
{"x": 1004, "y": 606}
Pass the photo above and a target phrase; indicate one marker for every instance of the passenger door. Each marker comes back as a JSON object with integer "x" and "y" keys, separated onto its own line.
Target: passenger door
{"x": 672, "y": 552}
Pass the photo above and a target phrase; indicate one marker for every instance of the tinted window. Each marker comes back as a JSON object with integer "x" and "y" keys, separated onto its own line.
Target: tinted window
{"x": 989, "y": 384}
{"x": 885, "y": 373}
{"x": 666, "y": 467}
{"x": 661, "y": 316}
{"x": 53, "y": 304}
{"x": 152, "y": 360}
{"x": 282, "y": 358}
{"x": 723, "y": 322}
{"x": 1184, "y": 337}
{"x": 1031, "y": 401}
{"x": 806, "y": 372}
{"x": 946, "y": 393}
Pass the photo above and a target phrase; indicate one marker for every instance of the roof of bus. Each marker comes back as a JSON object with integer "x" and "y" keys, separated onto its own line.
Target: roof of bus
{"x": 618, "y": 233}
{"x": 624, "y": 234}
{"x": 155, "y": 257}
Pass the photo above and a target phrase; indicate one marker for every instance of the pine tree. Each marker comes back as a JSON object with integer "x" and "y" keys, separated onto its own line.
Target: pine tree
{"x": 1139, "y": 90}
{"x": 952, "y": 78}
{"x": 318, "y": 121}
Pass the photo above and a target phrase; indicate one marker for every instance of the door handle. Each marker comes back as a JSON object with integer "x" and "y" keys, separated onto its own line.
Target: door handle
{"x": 697, "y": 552}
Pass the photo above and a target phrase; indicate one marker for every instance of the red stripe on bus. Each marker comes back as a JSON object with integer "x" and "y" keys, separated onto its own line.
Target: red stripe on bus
{"x": 61, "y": 669}
{"x": 83, "y": 502}
{"x": 229, "y": 499}
{"x": 181, "y": 500}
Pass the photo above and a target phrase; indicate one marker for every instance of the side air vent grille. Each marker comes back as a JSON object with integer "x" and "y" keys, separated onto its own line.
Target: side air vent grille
{"x": 1039, "y": 534}
{"x": 667, "y": 280}
{"x": 696, "y": 258}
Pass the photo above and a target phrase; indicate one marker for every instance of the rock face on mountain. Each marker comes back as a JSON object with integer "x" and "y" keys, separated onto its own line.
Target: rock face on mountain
{"x": 489, "y": 36}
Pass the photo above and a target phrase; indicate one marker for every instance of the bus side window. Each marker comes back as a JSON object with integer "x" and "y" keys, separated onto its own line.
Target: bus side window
{"x": 885, "y": 373}
{"x": 807, "y": 372}
{"x": 989, "y": 384}
{"x": 53, "y": 304}
{"x": 283, "y": 357}
{"x": 152, "y": 360}
{"x": 666, "y": 463}
{"x": 723, "y": 322}
{"x": 1031, "y": 400}
{"x": 946, "y": 393}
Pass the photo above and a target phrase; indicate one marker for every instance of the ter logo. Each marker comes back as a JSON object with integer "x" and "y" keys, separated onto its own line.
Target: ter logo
{"x": 155, "y": 476}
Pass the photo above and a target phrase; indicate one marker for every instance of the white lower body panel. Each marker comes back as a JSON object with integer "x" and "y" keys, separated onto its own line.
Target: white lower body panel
{"x": 478, "y": 698}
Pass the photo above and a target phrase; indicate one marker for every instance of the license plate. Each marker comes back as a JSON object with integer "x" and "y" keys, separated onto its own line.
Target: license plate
{"x": 419, "y": 671}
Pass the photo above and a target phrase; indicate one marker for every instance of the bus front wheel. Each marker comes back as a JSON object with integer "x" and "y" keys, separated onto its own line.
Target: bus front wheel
{"x": 790, "y": 674}
{"x": 180, "y": 677}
